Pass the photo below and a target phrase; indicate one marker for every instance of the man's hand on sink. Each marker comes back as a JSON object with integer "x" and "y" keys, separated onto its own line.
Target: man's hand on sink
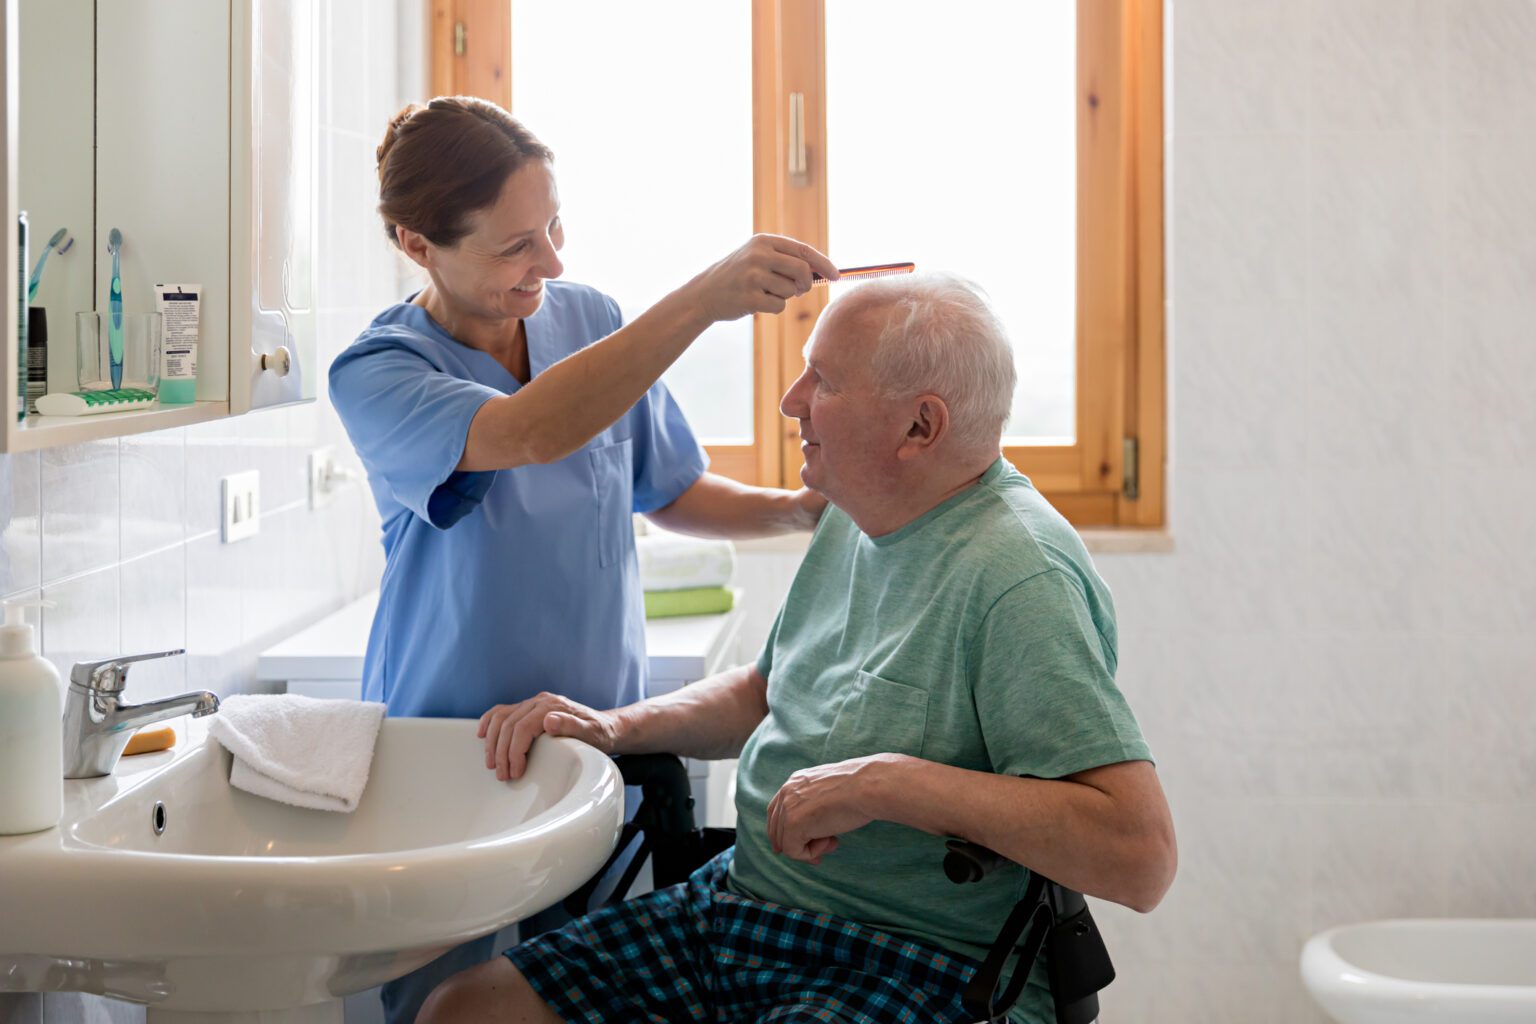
{"x": 510, "y": 729}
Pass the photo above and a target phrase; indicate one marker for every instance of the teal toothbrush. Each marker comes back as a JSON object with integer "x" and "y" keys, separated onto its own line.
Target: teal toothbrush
{"x": 115, "y": 301}
{"x": 37, "y": 271}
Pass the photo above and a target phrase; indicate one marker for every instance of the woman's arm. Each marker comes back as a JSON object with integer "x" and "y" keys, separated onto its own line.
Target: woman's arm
{"x": 716, "y": 506}
{"x": 571, "y": 402}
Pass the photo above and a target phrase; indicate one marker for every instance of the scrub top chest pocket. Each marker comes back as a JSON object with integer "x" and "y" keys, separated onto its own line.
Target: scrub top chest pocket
{"x": 878, "y": 716}
{"x": 613, "y": 484}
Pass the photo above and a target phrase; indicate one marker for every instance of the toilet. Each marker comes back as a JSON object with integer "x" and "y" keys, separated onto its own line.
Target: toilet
{"x": 1424, "y": 971}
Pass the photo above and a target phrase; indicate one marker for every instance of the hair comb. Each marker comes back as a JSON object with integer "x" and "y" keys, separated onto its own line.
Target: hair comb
{"x": 862, "y": 273}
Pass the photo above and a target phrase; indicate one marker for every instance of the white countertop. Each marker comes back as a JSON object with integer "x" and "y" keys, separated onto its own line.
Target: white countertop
{"x": 679, "y": 650}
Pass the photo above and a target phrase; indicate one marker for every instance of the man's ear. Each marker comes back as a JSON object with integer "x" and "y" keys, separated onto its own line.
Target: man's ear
{"x": 930, "y": 425}
{"x": 415, "y": 245}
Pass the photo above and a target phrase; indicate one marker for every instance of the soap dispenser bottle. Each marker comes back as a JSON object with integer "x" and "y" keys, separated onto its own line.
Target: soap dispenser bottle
{"x": 31, "y": 731}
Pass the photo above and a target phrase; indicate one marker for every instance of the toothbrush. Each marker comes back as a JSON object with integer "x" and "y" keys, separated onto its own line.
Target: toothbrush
{"x": 37, "y": 271}
{"x": 859, "y": 273}
{"x": 115, "y": 300}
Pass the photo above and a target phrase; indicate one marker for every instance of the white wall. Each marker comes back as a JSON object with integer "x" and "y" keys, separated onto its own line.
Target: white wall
{"x": 1336, "y": 668}
{"x": 123, "y": 534}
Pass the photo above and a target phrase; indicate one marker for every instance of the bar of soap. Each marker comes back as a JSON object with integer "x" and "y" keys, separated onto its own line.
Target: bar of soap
{"x": 147, "y": 741}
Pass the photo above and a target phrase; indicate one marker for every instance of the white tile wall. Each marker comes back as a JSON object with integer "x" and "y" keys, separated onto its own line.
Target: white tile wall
{"x": 122, "y": 535}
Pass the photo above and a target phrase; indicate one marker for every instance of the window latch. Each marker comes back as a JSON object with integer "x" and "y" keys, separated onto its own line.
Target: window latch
{"x": 797, "y": 165}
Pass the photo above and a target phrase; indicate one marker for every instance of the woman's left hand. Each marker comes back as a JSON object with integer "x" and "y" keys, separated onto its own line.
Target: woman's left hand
{"x": 810, "y": 505}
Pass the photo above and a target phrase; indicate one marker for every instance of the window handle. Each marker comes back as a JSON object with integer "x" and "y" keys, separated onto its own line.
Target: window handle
{"x": 797, "y": 169}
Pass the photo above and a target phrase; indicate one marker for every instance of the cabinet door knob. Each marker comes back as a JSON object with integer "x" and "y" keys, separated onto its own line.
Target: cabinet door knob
{"x": 279, "y": 361}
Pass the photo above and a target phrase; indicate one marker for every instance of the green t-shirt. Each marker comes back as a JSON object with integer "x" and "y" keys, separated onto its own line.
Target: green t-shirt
{"x": 979, "y": 636}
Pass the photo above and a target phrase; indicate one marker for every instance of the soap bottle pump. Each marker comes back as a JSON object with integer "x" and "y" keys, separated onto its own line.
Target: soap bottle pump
{"x": 31, "y": 730}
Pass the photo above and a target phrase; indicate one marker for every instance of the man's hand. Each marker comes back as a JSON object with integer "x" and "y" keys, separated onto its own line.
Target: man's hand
{"x": 510, "y": 729}
{"x": 816, "y": 805}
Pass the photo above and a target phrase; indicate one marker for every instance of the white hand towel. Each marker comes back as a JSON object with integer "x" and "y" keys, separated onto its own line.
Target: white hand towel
{"x": 670, "y": 561}
{"x": 299, "y": 750}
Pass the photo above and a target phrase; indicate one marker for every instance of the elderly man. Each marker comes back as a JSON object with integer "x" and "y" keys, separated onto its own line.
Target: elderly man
{"x": 943, "y": 665}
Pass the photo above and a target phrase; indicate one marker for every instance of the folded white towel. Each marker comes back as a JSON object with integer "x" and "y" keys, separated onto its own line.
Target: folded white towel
{"x": 299, "y": 750}
{"x": 671, "y": 561}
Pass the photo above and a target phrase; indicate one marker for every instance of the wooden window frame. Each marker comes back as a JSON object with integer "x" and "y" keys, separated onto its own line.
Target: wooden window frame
{"x": 1121, "y": 400}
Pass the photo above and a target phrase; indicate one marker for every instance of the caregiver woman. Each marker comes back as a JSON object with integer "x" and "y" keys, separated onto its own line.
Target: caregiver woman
{"x": 511, "y": 423}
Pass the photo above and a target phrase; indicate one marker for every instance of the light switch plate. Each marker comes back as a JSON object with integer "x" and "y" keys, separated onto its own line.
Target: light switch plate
{"x": 241, "y": 499}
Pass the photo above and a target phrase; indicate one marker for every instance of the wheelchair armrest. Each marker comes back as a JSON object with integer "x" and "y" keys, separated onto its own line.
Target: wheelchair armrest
{"x": 667, "y": 796}
{"x": 965, "y": 861}
{"x": 1049, "y": 917}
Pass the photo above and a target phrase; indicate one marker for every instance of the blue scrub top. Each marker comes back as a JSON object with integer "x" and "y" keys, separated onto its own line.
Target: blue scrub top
{"x": 500, "y": 584}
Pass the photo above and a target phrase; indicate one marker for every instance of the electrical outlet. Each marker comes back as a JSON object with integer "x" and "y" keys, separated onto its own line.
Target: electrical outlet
{"x": 241, "y": 497}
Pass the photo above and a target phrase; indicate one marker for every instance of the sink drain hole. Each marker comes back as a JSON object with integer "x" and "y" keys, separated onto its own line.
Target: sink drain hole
{"x": 157, "y": 818}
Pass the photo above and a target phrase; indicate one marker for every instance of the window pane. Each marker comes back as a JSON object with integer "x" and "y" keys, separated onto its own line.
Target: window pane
{"x": 648, "y": 108}
{"x": 952, "y": 142}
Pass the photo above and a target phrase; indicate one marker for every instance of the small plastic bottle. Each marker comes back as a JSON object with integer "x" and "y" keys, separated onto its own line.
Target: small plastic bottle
{"x": 31, "y": 731}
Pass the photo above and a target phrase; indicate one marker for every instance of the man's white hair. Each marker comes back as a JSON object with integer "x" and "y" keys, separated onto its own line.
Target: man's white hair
{"x": 941, "y": 336}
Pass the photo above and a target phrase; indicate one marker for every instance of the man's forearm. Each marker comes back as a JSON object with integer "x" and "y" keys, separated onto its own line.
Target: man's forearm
{"x": 1110, "y": 837}
{"x": 716, "y": 506}
{"x": 710, "y": 720}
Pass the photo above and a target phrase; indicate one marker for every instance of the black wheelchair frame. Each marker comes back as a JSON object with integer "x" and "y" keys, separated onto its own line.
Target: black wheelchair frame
{"x": 1049, "y": 918}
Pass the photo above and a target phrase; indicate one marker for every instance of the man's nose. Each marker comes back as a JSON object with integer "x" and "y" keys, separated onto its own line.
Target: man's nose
{"x": 791, "y": 405}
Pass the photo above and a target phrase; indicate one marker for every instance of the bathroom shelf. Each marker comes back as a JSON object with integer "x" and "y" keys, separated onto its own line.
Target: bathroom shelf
{"x": 209, "y": 115}
{"x": 46, "y": 431}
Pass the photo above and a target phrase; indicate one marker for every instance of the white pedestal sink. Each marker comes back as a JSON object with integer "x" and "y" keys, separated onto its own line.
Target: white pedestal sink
{"x": 250, "y": 910}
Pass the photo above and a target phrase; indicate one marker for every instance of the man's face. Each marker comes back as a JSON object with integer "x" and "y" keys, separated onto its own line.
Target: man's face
{"x": 848, "y": 433}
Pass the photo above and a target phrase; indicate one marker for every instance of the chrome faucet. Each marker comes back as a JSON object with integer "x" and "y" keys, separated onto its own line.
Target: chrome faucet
{"x": 97, "y": 725}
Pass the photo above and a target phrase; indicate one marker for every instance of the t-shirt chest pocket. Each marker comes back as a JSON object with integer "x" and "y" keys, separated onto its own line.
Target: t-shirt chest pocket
{"x": 878, "y": 716}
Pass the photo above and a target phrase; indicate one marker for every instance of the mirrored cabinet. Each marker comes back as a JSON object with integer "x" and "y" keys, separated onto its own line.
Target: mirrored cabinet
{"x": 160, "y": 163}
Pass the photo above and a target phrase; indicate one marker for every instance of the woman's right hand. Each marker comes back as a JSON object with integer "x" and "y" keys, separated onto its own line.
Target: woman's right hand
{"x": 510, "y": 729}
{"x": 760, "y": 277}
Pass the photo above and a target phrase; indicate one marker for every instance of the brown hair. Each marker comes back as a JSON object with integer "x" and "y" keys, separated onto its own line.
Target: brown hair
{"x": 441, "y": 162}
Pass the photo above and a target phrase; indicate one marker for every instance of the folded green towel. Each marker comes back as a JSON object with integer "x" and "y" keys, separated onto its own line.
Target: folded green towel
{"x": 664, "y": 604}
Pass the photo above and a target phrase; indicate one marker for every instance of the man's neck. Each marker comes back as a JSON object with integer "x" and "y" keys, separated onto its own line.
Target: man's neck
{"x": 912, "y": 499}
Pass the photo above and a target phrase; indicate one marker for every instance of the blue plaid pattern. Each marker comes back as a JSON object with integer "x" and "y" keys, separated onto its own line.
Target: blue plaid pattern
{"x": 698, "y": 952}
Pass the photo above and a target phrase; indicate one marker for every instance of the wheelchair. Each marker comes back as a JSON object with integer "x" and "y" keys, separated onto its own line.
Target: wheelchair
{"x": 1050, "y": 918}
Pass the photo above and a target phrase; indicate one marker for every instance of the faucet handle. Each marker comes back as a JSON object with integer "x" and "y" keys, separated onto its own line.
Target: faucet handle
{"x": 109, "y": 674}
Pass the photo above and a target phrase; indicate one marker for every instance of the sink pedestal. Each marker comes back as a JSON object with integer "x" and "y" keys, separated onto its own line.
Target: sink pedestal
{"x": 318, "y": 1013}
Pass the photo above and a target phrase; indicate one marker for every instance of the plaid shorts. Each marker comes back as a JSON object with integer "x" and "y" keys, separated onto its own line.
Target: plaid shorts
{"x": 698, "y": 952}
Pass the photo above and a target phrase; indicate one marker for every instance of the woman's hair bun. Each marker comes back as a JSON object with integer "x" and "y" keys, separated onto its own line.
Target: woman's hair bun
{"x": 393, "y": 131}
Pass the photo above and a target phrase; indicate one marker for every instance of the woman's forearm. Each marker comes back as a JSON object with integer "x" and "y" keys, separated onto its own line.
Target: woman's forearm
{"x": 571, "y": 402}
{"x": 709, "y": 720}
{"x": 716, "y": 506}
{"x": 574, "y": 400}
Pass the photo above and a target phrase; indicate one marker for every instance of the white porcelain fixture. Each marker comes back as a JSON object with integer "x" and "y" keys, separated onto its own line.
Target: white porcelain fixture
{"x": 1424, "y": 971}
{"x": 166, "y": 887}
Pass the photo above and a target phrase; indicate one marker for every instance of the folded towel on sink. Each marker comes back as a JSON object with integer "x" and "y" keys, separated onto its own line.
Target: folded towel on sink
{"x": 299, "y": 750}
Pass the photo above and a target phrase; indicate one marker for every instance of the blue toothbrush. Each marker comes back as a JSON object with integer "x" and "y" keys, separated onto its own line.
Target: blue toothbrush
{"x": 37, "y": 271}
{"x": 115, "y": 301}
